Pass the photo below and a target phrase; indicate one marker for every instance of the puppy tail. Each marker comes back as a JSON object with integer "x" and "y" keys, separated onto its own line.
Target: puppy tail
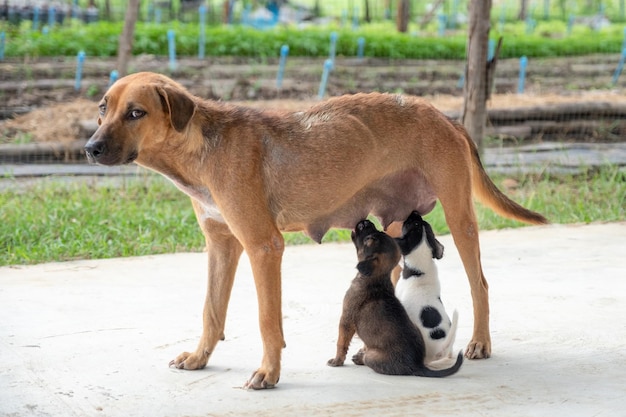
{"x": 440, "y": 373}
{"x": 487, "y": 193}
{"x": 447, "y": 348}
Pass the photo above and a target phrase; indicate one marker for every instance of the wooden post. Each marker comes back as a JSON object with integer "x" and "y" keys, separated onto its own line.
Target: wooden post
{"x": 403, "y": 16}
{"x": 125, "y": 48}
{"x": 475, "y": 89}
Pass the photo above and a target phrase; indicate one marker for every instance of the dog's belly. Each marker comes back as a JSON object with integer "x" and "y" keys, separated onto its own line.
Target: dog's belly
{"x": 389, "y": 199}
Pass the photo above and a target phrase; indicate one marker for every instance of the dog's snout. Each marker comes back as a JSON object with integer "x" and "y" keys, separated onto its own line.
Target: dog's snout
{"x": 95, "y": 149}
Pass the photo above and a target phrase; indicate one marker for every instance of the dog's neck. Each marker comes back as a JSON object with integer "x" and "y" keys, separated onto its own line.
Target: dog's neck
{"x": 419, "y": 262}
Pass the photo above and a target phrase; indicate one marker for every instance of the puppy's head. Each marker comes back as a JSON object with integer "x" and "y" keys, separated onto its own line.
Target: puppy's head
{"x": 377, "y": 252}
{"x": 138, "y": 111}
{"x": 414, "y": 229}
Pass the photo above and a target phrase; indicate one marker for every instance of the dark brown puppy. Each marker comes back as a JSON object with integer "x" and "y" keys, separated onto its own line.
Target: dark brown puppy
{"x": 394, "y": 346}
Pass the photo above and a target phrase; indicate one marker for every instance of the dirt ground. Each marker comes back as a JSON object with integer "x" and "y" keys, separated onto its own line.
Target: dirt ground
{"x": 52, "y": 110}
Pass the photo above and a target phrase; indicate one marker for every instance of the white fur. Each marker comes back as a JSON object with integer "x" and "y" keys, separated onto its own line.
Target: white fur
{"x": 416, "y": 292}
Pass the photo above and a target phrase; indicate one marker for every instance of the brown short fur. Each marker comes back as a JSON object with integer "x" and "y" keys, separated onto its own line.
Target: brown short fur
{"x": 252, "y": 174}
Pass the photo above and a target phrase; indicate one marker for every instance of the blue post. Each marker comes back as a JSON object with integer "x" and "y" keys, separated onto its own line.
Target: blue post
{"x": 355, "y": 18}
{"x": 2, "y": 40}
{"x": 523, "y": 63}
{"x": 284, "y": 51}
{"x": 620, "y": 66}
{"x": 570, "y": 24}
{"x": 157, "y": 16}
{"x": 36, "y": 18}
{"x": 443, "y": 19}
{"x": 360, "y": 50}
{"x": 79, "y": 69}
{"x": 328, "y": 65}
{"x": 502, "y": 18}
{"x": 344, "y": 17}
{"x": 171, "y": 43}
{"x": 202, "y": 38}
{"x": 491, "y": 49}
{"x": 113, "y": 77}
{"x": 333, "y": 48}
{"x": 51, "y": 17}
{"x": 546, "y": 9}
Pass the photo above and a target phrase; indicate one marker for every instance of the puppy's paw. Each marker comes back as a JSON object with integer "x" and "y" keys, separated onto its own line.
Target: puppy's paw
{"x": 478, "y": 350}
{"x": 335, "y": 362}
{"x": 189, "y": 361}
{"x": 358, "y": 357}
{"x": 261, "y": 380}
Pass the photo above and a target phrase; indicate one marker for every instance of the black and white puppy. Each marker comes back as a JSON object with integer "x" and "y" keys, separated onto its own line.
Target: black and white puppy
{"x": 419, "y": 291}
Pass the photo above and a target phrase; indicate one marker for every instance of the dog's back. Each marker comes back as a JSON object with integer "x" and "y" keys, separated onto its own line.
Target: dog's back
{"x": 419, "y": 290}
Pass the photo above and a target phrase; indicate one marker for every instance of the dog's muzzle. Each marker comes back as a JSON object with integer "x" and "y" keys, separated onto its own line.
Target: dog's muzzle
{"x": 94, "y": 150}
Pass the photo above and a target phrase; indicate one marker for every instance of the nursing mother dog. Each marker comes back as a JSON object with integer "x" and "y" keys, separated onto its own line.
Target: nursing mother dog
{"x": 253, "y": 173}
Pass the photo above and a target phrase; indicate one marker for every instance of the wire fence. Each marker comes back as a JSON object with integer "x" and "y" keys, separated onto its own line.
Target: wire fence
{"x": 548, "y": 99}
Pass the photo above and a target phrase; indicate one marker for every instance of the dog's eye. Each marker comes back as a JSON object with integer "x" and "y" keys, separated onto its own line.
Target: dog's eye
{"x": 136, "y": 114}
{"x": 102, "y": 109}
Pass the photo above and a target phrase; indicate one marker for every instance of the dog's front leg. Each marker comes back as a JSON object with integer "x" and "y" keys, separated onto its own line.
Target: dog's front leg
{"x": 347, "y": 329}
{"x": 224, "y": 251}
{"x": 265, "y": 251}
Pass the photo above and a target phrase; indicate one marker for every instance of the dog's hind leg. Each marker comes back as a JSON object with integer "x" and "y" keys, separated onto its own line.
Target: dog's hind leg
{"x": 459, "y": 212}
{"x": 224, "y": 251}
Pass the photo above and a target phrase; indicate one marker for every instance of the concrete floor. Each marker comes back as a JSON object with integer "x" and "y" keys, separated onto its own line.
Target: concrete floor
{"x": 94, "y": 337}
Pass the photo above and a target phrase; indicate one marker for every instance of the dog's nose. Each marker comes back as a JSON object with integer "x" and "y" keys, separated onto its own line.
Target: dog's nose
{"x": 94, "y": 149}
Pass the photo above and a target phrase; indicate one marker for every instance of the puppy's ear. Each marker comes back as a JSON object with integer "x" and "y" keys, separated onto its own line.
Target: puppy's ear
{"x": 367, "y": 266}
{"x": 178, "y": 106}
{"x": 403, "y": 245}
{"x": 435, "y": 246}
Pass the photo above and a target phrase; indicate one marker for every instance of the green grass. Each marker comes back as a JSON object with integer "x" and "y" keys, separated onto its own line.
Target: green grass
{"x": 63, "y": 221}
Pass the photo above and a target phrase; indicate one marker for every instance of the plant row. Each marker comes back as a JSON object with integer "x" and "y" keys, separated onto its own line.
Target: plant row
{"x": 548, "y": 39}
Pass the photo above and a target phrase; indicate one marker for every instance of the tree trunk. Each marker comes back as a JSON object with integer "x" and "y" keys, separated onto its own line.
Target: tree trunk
{"x": 125, "y": 48}
{"x": 475, "y": 88}
{"x": 367, "y": 18}
{"x": 402, "y": 21}
{"x": 523, "y": 10}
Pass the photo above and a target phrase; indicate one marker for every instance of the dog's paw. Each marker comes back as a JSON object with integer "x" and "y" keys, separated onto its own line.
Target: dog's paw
{"x": 261, "y": 380}
{"x": 335, "y": 362}
{"x": 478, "y": 350}
{"x": 189, "y": 361}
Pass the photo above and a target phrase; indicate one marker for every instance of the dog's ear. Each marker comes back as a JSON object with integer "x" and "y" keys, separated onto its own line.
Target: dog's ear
{"x": 178, "y": 105}
{"x": 367, "y": 266}
{"x": 435, "y": 246}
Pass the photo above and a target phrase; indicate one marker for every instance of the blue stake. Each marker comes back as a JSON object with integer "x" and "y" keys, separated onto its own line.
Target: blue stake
{"x": 502, "y": 18}
{"x": 113, "y": 77}
{"x": 328, "y": 65}
{"x": 201, "y": 40}
{"x": 360, "y": 50}
{"x": 523, "y": 63}
{"x": 171, "y": 43}
{"x": 79, "y": 69}
{"x": 284, "y": 51}
{"x": 51, "y": 13}
{"x": 491, "y": 49}
{"x": 333, "y": 48}
{"x": 570, "y": 24}
{"x": 443, "y": 19}
{"x": 2, "y": 39}
{"x": 157, "y": 16}
{"x": 36, "y": 18}
{"x": 620, "y": 66}
{"x": 355, "y": 19}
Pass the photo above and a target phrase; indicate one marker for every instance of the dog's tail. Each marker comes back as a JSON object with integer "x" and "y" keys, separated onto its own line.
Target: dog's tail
{"x": 487, "y": 193}
{"x": 440, "y": 373}
{"x": 446, "y": 350}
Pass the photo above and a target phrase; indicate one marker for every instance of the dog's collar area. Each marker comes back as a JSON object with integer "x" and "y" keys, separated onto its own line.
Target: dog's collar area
{"x": 409, "y": 272}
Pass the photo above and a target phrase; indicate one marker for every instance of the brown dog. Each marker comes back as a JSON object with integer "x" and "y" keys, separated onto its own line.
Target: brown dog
{"x": 393, "y": 344}
{"x": 252, "y": 174}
